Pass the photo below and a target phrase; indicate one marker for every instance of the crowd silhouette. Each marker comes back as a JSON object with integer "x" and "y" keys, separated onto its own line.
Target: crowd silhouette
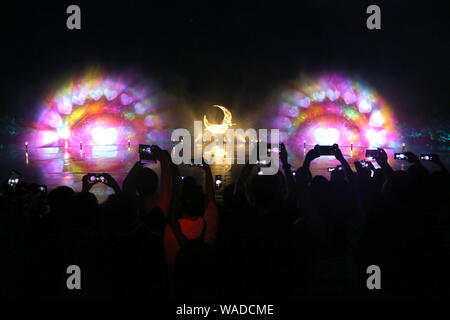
{"x": 281, "y": 236}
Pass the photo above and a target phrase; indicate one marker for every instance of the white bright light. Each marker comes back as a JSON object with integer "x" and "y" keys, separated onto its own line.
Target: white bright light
{"x": 326, "y": 136}
{"x": 64, "y": 133}
{"x": 376, "y": 138}
{"x": 364, "y": 106}
{"x": 102, "y": 136}
{"x": 376, "y": 119}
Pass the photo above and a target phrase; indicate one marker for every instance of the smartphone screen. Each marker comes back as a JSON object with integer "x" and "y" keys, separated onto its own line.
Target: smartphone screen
{"x": 400, "y": 156}
{"x": 218, "y": 181}
{"x": 325, "y": 150}
{"x": 14, "y": 178}
{"x": 146, "y": 154}
{"x": 426, "y": 156}
{"x": 371, "y": 153}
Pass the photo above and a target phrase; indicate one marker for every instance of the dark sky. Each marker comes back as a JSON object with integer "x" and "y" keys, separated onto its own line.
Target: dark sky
{"x": 232, "y": 54}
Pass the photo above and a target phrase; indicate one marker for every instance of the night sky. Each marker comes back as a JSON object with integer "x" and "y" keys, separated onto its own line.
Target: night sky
{"x": 236, "y": 55}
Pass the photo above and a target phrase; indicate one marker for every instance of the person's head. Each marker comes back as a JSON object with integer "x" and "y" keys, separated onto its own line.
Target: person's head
{"x": 267, "y": 190}
{"x": 58, "y": 199}
{"x": 319, "y": 186}
{"x": 395, "y": 189}
{"x": 147, "y": 182}
{"x": 192, "y": 198}
{"x": 84, "y": 209}
{"x": 119, "y": 213}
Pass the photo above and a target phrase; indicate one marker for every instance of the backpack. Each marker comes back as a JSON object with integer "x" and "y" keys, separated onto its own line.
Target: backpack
{"x": 194, "y": 263}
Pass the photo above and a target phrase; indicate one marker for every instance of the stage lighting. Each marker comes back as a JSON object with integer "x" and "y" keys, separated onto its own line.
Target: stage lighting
{"x": 376, "y": 138}
{"x": 349, "y": 97}
{"x": 376, "y": 119}
{"x": 64, "y": 105}
{"x": 326, "y": 136}
{"x": 64, "y": 133}
{"x": 364, "y": 106}
{"x": 222, "y": 127}
{"x": 126, "y": 99}
{"x": 102, "y": 136}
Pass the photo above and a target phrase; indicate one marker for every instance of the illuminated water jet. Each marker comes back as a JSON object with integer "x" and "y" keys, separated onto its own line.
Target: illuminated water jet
{"x": 221, "y": 127}
{"x": 334, "y": 109}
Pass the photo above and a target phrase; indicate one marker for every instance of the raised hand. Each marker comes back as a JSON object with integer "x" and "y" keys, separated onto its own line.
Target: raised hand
{"x": 338, "y": 155}
{"x": 358, "y": 166}
{"x": 311, "y": 155}
{"x": 111, "y": 182}
{"x": 361, "y": 170}
{"x": 370, "y": 165}
{"x": 283, "y": 154}
{"x": 86, "y": 185}
{"x": 381, "y": 158}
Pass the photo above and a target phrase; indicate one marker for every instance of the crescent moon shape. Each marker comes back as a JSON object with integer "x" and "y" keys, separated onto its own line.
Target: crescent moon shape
{"x": 221, "y": 127}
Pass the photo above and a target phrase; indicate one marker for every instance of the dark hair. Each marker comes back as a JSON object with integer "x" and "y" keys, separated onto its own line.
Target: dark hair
{"x": 84, "y": 209}
{"x": 120, "y": 212}
{"x": 192, "y": 198}
{"x": 59, "y": 197}
{"x": 147, "y": 182}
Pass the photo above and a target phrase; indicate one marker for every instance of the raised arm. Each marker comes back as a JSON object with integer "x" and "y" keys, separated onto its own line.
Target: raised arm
{"x": 109, "y": 181}
{"x": 165, "y": 194}
{"x": 112, "y": 183}
{"x": 287, "y": 168}
{"x": 345, "y": 166}
{"x": 382, "y": 160}
{"x": 240, "y": 187}
{"x": 209, "y": 182}
{"x": 304, "y": 175}
{"x": 129, "y": 184}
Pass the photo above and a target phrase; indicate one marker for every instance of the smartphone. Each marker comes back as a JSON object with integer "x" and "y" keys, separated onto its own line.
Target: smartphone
{"x": 14, "y": 178}
{"x": 96, "y": 177}
{"x": 331, "y": 169}
{"x": 372, "y": 153}
{"x": 275, "y": 149}
{"x": 146, "y": 153}
{"x": 400, "y": 156}
{"x": 218, "y": 181}
{"x": 427, "y": 156}
{"x": 326, "y": 150}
